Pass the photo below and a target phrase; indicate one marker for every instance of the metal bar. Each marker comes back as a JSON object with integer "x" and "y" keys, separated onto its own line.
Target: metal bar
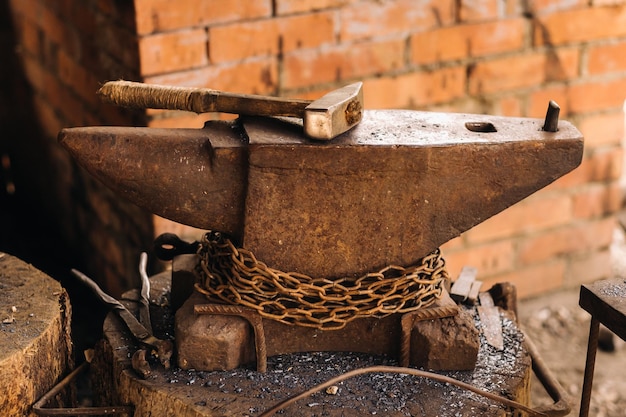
{"x": 551, "y": 123}
{"x": 561, "y": 406}
{"x": 592, "y": 347}
{"x": 38, "y": 407}
{"x": 407, "y": 321}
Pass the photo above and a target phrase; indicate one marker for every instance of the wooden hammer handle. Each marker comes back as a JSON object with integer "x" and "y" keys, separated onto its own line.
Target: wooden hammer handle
{"x": 198, "y": 100}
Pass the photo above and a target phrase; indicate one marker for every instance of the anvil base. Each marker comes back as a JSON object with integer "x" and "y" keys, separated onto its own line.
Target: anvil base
{"x": 210, "y": 342}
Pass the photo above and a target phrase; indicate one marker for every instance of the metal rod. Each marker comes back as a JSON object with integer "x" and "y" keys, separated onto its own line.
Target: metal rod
{"x": 592, "y": 348}
{"x": 561, "y": 406}
{"x": 38, "y": 407}
{"x": 551, "y": 123}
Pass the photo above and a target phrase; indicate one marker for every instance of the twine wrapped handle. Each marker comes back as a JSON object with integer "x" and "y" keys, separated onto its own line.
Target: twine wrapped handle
{"x": 197, "y": 100}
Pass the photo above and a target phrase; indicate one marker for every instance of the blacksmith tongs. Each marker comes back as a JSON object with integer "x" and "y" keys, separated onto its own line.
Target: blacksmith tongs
{"x": 143, "y": 334}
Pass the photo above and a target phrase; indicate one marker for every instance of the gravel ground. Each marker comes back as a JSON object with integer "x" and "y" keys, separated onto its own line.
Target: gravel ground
{"x": 560, "y": 329}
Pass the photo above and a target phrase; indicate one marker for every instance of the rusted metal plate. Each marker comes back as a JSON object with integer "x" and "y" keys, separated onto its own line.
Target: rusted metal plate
{"x": 491, "y": 325}
{"x": 389, "y": 191}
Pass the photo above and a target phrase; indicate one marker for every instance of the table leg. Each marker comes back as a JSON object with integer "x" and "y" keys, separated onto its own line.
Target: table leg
{"x": 592, "y": 347}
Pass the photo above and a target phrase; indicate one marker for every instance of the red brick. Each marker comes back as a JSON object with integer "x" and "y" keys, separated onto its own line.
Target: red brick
{"x": 77, "y": 78}
{"x": 562, "y": 64}
{"x": 365, "y": 20}
{"x": 510, "y": 106}
{"x": 480, "y": 10}
{"x": 603, "y": 129}
{"x": 35, "y": 73}
{"x": 30, "y": 37}
{"x": 597, "y": 200}
{"x": 252, "y": 77}
{"x": 174, "y": 51}
{"x": 463, "y": 41}
{"x": 597, "y": 95}
{"x": 607, "y": 2}
{"x": 83, "y": 17}
{"x": 607, "y": 58}
{"x": 580, "y": 25}
{"x": 120, "y": 12}
{"x": 178, "y": 120}
{"x": 188, "y": 233}
{"x": 491, "y": 259}
{"x": 508, "y": 73}
{"x": 532, "y": 215}
{"x": 299, "y": 6}
{"x": 551, "y": 6}
{"x": 578, "y": 238}
{"x": 65, "y": 103}
{"x": 604, "y": 165}
{"x": 591, "y": 268}
{"x": 29, "y": 9}
{"x": 535, "y": 279}
{"x": 111, "y": 37}
{"x": 415, "y": 90}
{"x": 452, "y": 245}
{"x": 271, "y": 36}
{"x": 344, "y": 62}
{"x": 47, "y": 117}
{"x": 57, "y": 32}
{"x": 165, "y": 15}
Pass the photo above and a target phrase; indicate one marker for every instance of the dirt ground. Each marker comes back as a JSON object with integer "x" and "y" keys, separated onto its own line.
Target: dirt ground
{"x": 560, "y": 329}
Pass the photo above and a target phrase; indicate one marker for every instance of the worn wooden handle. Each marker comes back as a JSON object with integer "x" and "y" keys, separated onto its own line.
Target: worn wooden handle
{"x": 198, "y": 100}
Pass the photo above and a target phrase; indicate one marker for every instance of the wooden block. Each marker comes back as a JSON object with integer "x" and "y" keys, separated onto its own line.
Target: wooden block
{"x": 35, "y": 342}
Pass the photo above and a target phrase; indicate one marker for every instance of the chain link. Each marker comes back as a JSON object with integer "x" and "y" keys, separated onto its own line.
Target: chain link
{"x": 234, "y": 276}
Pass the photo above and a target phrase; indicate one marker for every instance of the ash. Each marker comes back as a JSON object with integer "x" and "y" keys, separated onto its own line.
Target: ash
{"x": 617, "y": 289}
{"x": 245, "y": 392}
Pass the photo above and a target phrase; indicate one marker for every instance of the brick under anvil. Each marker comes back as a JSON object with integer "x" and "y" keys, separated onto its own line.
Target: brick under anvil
{"x": 389, "y": 191}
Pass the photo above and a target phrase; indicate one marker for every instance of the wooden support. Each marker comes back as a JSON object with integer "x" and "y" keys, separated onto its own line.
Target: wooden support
{"x": 35, "y": 342}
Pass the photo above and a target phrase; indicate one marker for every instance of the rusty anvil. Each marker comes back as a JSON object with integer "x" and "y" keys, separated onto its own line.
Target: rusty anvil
{"x": 386, "y": 192}
{"x": 389, "y": 191}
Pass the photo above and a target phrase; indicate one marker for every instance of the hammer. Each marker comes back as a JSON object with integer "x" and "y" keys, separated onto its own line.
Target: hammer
{"x": 324, "y": 118}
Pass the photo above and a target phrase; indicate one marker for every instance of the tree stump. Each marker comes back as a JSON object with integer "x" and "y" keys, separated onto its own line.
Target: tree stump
{"x": 246, "y": 392}
{"x": 35, "y": 340}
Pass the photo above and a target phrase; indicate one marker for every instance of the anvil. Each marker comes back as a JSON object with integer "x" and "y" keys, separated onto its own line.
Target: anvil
{"x": 389, "y": 191}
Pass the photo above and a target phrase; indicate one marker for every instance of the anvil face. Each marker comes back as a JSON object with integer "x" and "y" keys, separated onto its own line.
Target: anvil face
{"x": 389, "y": 191}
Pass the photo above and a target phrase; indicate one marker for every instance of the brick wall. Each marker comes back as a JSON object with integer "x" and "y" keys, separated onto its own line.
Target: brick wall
{"x": 503, "y": 57}
{"x": 65, "y": 50}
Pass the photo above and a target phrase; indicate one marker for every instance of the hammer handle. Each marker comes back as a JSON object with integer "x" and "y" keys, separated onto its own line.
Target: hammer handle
{"x": 198, "y": 100}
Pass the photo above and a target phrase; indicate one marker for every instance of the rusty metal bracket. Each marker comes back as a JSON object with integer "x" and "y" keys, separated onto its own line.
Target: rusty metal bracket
{"x": 38, "y": 407}
{"x": 249, "y": 315}
{"x": 407, "y": 320}
{"x": 561, "y": 406}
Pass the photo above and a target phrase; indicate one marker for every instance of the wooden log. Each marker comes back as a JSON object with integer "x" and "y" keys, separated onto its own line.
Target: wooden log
{"x": 35, "y": 341}
{"x": 189, "y": 393}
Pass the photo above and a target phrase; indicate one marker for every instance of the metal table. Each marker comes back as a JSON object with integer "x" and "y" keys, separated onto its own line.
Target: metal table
{"x": 606, "y": 302}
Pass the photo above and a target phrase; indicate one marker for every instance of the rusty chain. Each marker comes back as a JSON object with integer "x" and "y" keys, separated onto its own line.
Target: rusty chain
{"x": 234, "y": 276}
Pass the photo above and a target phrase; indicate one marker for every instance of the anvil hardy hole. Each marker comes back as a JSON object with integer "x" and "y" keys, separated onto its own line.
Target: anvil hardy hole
{"x": 482, "y": 127}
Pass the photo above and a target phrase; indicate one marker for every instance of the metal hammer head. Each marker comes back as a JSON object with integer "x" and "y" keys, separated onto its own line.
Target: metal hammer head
{"x": 334, "y": 113}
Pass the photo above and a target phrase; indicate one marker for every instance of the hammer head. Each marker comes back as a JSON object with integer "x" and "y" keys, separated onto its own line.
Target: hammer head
{"x": 334, "y": 113}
